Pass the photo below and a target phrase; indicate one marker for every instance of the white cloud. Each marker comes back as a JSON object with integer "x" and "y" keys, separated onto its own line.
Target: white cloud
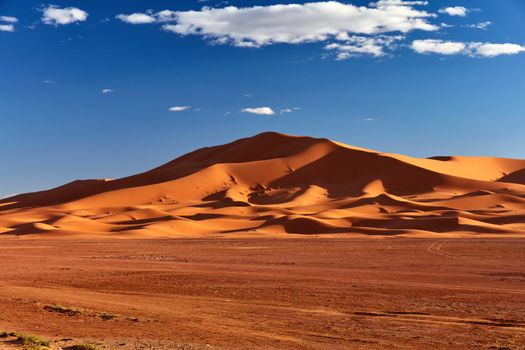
{"x": 136, "y": 18}
{"x": 288, "y": 110}
{"x": 55, "y": 16}
{"x": 298, "y": 23}
{"x": 473, "y": 49}
{"x": 166, "y": 16}
{"x": 480, "y": 25}
{"x": 492, "y": 50}
{"x": 148, "y": 17}
{"x": 361, "y": 45}
{"x": 259, "y": 110}
{"x": 438, "y": 46}
{"x": 8, "y": 19}
{"x": 7, "y": 28}
{"x": 347, "y": 30}
{"x": 179, "y": 108}
{"x": 455, "y": 11}
{"x": 446, "y": 25}
{"x": 48, "y": 81}
{"x": 107, "y": 91}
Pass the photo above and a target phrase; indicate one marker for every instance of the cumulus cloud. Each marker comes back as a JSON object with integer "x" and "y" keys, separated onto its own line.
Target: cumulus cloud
{"x": 7, "y": 28}
{"x": 136, "y": 18}
{"x": 259, "y": 110}
{"x": 353, "y": 30}
{"x": 298, "y": 23}
{"x": 8, "y": 19}
{"x": 56, "y": 16}
{"x": 473, "y": 49}
{"x": 179, "y": 108}
{"x": 107, "y": 91}
{"x": 346, "y": 30}
{"x": 7, "y": 23}
{"x": 492, "y": 50}
{"x": 438, "y": 46}
{"x": 455, "y": 11}
{"x": 148, "y": 17}
{"x": 166, "y": 16}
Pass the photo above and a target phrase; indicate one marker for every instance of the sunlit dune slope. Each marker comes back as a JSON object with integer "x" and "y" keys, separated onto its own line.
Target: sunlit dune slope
{"x": 279, "y": 184}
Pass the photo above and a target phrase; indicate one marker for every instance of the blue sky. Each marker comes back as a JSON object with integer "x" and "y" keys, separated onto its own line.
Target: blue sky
{"x": 86, "y": 87}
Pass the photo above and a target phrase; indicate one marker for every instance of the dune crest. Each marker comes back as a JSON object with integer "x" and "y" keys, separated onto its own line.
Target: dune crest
{"x": 278, "y": 184}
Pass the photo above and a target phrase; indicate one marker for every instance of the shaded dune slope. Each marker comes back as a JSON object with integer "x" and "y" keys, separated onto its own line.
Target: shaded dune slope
{"x": 279, "y": 184}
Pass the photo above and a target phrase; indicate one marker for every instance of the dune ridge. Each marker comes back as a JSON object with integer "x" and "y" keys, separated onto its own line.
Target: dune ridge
{"x": 278, "y": 184}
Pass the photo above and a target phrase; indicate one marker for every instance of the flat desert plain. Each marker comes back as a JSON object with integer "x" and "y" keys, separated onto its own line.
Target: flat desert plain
{"x": 263, "y": 293}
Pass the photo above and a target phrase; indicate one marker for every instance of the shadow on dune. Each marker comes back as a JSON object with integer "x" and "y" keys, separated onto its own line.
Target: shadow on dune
{"x": 517, "y": 177}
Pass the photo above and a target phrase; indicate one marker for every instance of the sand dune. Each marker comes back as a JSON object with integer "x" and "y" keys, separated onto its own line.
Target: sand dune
{"x": 278, "y": 184}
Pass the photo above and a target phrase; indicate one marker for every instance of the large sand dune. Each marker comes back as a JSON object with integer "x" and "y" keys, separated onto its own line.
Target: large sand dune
{"x": 278, "y": 184}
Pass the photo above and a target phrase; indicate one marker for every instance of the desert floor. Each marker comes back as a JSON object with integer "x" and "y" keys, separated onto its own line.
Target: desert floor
{"x": 237, "y": 293}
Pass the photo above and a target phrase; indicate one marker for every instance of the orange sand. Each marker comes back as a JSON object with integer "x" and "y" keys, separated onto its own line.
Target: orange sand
{"x": 278, "y": 184}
